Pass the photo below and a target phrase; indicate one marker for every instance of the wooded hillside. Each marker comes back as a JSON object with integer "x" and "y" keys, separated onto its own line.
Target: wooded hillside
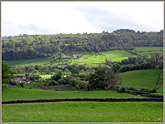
{"x": 37, "y": 46}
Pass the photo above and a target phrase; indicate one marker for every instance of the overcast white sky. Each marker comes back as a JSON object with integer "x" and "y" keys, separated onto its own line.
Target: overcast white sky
{"x": 78, "y": 17}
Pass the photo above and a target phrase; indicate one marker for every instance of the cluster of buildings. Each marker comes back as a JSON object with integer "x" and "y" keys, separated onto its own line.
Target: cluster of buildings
{"x": 24, "y": 79}
{"x": 69, "y": 57}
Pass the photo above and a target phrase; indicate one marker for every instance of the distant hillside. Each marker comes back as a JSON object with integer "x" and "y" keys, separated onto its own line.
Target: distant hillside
{"x": 41, "y": 46}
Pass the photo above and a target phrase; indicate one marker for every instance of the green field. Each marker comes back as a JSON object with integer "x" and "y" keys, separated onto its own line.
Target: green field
{"x": 87, "y": 58}
{"x": 140, "y": 78}
{"x": 33, "y": 94}
{"x": 90, "y": 58}
{"x": 45, "y": 76}
{"x": 96, "y": 58}
{"x": 148, "y": 50}
{"x": 84, "y": 112}
{"x": 28, "y": 62}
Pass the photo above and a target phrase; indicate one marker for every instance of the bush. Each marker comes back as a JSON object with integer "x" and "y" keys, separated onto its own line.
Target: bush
{"x": 62, "y": 81}
{"x": 22, "y": 84}
{"x": 132, "y": 89}
{"x": 83, "y": 85}
{"x": 53, "y": 82}
{"x": 12, "y": 83}
{"x": 114, "y": 88}
{"x": 154, "y": 90}
{"x": 122, "y": 90}
{"x": 143, "y": 90}
{"x": 56, "y": 76}
{"x": 76, "y": 82}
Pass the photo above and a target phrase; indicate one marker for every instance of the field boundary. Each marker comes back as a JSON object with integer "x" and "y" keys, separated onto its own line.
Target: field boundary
{"x": 87, "y": 99}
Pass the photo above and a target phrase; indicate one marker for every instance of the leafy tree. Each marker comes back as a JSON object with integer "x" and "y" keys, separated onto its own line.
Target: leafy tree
{"x": 103, "y": 79}
{"x": 116, "y": 67}
{"x": 7, "y": 73}
{"x": 75, "y": 71}
{"x": 27, "y": 75}
{"x": 156, "y": 59}
{"x": 53, "y": 82}
{"x": 57, "y": 76}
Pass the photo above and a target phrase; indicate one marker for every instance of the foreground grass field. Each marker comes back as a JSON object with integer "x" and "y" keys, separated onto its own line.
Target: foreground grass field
{"x": 84, "y": 112}
{"x": 140, "y": 78}
{"x": 33, "y": 94}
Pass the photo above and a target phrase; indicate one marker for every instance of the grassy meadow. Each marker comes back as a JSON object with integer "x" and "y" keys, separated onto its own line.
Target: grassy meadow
{"x": 10, "y": 94}
{"x": 46, "y": 76}
{"x": 148, "y": 50}
{"x": 90, "y": 58}
{"x": 84, "y": 112}
{"x": 87, "y": 58}
{"x": 96, "y": 58}
{"x": 28, "y": 62}
{"x": 140, "y": 78}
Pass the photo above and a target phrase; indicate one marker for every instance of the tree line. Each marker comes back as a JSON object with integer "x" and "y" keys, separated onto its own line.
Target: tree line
{"x": 37, "y": 46}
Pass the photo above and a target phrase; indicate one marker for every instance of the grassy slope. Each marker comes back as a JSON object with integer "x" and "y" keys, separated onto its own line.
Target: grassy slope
{"x": 33, "y": 94}
{"x": 140, "y": 78}
{"x": 84, "y": 112}
{"x": 148, "y": 50}
{"x": 89, "y": 58}
{"x": 37, "y": 61}
{"x": 45, "y": 76}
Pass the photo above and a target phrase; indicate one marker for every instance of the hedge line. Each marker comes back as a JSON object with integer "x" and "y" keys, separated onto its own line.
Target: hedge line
{"x": 88, "y": 99}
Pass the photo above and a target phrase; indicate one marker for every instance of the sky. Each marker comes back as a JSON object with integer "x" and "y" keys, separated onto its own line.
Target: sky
{"x": 79, "y": 17}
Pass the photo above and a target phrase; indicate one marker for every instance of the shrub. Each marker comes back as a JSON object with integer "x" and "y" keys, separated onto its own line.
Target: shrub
{"x": 132, "y": 89}
{"x": 122, "y": 90}
{"x": 143, "y": 90}
{"x": 22, "y": 84}
{"x": 12, "y": 82}
{"x": 53, "y": 82}
{"x": 154, "y": 90}
{"x": 62, "y": 81}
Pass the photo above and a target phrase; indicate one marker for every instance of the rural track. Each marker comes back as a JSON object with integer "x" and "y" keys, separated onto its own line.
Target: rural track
{"x": 87, "y": 99}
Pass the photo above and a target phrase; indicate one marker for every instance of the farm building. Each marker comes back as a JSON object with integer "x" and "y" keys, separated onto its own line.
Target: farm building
{"x": 76, "y": 56}
{"x": 23, "y": 79}
{"x": 69, "y": 57}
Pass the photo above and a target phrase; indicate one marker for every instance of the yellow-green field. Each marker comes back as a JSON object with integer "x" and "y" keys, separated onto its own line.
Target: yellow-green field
{"x": 96, "y": 58}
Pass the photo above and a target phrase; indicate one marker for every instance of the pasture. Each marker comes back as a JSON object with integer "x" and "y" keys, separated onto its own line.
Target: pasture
{"x": 99, "y": 58}
{"x": 148, "y": 50}
{"x": 140, "y": 78}
{"x": 10, "y": 94}
{"x": 28, "y": 62}
{"x": 46, "y": 76}
{"x": 84, "y": 112}
{"x": 89, "y": 58}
